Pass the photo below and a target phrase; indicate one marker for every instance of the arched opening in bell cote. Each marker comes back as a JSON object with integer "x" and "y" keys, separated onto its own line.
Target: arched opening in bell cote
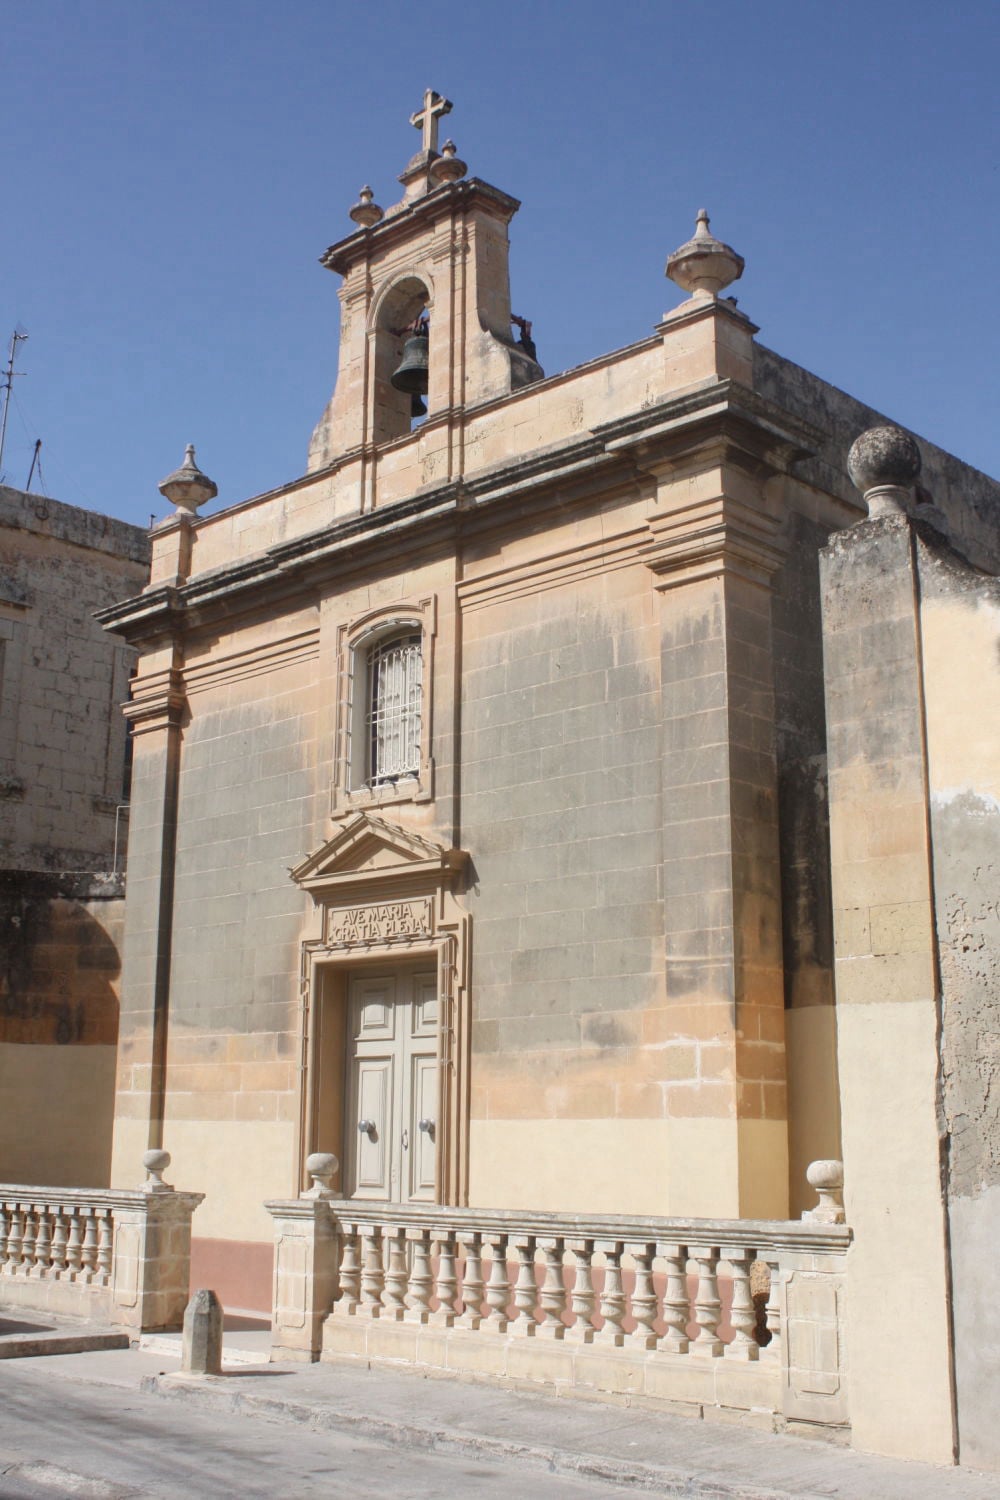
{"x": 402, "y": 362}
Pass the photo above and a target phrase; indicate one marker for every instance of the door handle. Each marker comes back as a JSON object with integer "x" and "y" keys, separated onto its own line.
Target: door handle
{"x": 406, "y": 1140}
{"x": 427, "y": 1127}
{"x": 367, "y": 1127}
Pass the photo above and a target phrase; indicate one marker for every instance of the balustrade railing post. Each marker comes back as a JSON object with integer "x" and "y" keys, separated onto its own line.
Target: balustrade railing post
{"x": 43, "y": 1241}
{"x": 104, "y": 1247}
{"x": 676, "y": 1302}
{"x": 15, "y": 1240}
{"x": 772, "y": 1312}
{"x": 89, "y": 1246}
{"x": 743, "y": 1345}
{"x": 644, "y": 1296}
{"x": 553, "y": 1293}
{"x": 525, "y": 1290}
{"x": 498, "y": 1286}
{"x": 350, "y": 1272}
{"x": 708, "y": 1306}
{"x": 418, "y": 1301}
{"x": 446, "y": 1285}
{"x": 28, "y": 1241}
{"x": 473, "y": 1286}
{"x": 583, "y": 1298}
{"x": 396, "y": 1274}
{"x": 74, "y": 1245}
{"x": 612, "y": 1294}
{"x": 372, "y": 1270}
{"x": 59, "y": 1237}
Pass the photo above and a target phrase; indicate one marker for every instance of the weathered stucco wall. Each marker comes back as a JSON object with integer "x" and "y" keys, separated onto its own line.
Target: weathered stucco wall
{"x": 60, "y": 940}
{"x": 960, "y": 621}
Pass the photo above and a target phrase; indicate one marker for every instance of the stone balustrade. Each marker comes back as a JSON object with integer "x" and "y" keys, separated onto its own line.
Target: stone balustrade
{"x": 102, "y": 1255}
{"x": 745, "y": 1316}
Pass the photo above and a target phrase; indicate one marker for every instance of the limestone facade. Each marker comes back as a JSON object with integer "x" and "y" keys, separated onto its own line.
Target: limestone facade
{"x": 63, "y": 827}
{"x": 481, "y": 829}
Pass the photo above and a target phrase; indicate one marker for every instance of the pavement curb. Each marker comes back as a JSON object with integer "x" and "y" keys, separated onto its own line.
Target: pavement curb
{"x": 214, "y": 1391}
{"x": 35, "y": 1345}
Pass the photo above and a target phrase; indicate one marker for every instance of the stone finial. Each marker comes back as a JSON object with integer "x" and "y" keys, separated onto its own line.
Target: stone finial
{"x": 884, "y": 464}
{"x": 187, "y": 487}
{"x": 201, "y": 1342}
{"x": 156, "y": 1163}
{"x": 449, "y": 167}
{"x": 704, "y": 265}
{"x": 827, "y": 1177}
{"x": 365, "y": 212}
{"x": 322, "y": 1168}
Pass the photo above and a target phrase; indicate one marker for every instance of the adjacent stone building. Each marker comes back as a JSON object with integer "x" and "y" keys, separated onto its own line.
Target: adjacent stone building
{"x": 63, "y": 827}
{"x": 506, "y": 785}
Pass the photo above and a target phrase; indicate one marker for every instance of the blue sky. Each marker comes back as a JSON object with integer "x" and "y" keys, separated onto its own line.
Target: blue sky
{"x": 173, "y": 171}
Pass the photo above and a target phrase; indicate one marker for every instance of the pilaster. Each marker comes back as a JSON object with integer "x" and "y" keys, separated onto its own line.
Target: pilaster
{"x": 887, "y": 992}
{"x": 713, "y": 550}
{"x": 156, "y": 713}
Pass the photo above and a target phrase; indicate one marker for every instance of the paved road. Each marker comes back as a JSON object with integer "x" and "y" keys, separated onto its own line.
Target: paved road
{"x": 58, "y": 1438}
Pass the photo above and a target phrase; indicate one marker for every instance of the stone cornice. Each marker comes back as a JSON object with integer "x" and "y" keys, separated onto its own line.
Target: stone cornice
{"x": 667, "y": 435}
{"x": 399, "y": 227}
{"x": 158, "y": 701}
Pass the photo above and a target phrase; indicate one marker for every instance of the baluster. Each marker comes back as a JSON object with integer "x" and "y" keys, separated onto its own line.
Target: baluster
{"x": 396, "y": 1275}
{"x": 28, "y": 1242}
{"x": 74, "y": 1245}
{"x": 350, "y": 1273}
{"x": 772, "y": 1312}
{"x": 421, "y": 1282}
{"x": 15, "y": 1240}
{"x": 553, "y": 1293}
{"x": 104, "y": 1246}
{"x": 446, "y": 1285}
{"x": 743, "y": 1344}
{"x": 473, "y": 1286}
{"x": 643, "y": 1297}
{"x": 59, "y": 1236}
{"x": 707, "y": 1306}
{"x": 676, "y": 1303}
{"x": 612, "y": 1295}
{"x": 43, "y": 1241}
{"x": 525, "y": 1290}
{"x": 5, "y": 1219}
{"x": 372, "y": 1270}
{"x": 498, "y": 1286}
{"x": 89, "y": 1270}
{"x": 583, "y": 1298}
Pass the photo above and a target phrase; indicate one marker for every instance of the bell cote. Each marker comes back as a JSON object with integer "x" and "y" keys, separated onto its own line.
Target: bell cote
{"x": 433, "y": 267}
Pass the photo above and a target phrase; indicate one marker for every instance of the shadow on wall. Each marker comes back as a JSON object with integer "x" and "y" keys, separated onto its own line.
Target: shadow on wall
{"x": 59, "y": 968}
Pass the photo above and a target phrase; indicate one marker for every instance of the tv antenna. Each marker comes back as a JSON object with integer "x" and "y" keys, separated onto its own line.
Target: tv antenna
{"x": 17, "y": 337}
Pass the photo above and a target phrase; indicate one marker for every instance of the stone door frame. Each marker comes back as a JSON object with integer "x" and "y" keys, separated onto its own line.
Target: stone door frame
{"x": 381, "y": 893}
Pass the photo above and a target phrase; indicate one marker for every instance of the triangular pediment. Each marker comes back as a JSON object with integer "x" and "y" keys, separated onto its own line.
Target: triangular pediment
{"x": 366, "y": 848}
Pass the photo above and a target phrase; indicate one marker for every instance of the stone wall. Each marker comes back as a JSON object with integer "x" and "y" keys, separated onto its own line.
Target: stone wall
{"x": 62, "y": 681}
{"x": 960, "y": 625}
{"x": 60, "y": 938}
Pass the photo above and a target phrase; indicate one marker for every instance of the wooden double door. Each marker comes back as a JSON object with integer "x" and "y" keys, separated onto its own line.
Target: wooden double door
{"x": 390, "y": 1127}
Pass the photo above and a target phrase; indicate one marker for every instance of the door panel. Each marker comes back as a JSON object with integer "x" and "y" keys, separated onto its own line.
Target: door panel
{"x": 423, "y": 1099}
{"x": 392, "y": 1085}
{"x": 374, "y": 1145}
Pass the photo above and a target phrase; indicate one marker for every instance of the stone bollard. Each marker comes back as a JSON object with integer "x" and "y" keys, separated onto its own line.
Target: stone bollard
{"x": 202, "y": 1342}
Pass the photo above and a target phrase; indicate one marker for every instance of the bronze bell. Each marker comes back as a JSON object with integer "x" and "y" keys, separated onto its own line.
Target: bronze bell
{"x": 411, "y": 376}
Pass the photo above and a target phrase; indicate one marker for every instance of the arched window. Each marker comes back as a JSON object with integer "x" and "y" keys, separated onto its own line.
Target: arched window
{"x": 394, "y": 688}
{"x": 384, "y": 706}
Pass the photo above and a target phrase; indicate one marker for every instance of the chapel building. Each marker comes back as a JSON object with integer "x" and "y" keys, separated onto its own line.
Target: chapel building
{"x": 481, "y": 809}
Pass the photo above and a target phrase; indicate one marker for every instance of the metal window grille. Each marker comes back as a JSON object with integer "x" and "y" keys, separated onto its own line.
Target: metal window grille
{"x": 394, "y": 690}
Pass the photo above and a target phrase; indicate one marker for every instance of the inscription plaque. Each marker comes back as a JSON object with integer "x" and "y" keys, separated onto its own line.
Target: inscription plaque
{"x": 381, "y": 922}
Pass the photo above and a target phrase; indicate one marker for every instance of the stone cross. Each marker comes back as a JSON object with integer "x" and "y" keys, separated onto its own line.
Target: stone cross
{"x": 426, "y": 119}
